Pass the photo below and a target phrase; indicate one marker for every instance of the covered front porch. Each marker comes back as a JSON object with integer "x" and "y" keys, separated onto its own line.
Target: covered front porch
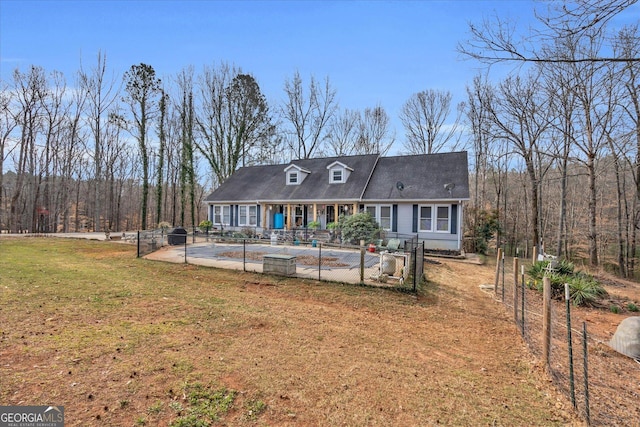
{"x": 291, "y": 216}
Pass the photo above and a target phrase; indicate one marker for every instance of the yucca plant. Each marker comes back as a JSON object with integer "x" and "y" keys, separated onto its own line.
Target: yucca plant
{"x": 584, "y": 289}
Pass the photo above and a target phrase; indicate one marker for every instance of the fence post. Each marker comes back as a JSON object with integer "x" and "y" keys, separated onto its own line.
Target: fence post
{"x": 522, "y": 300}
{"x": 503, "y": 276}
{"x": 319, "y": 261}
{"x": 535, "y": 254}
{"x": 572, "y": 386}
{"x": 546, "y": 322}
{"x": 362, "y": 262}
{"x": 138, "y": 244}
{"x": 586, "y": 373}
{"x": 244, "y": 254}
{"x": 498, "y": 258}
{"x": 515, "y": 289}
{"x": 415, "y": 268}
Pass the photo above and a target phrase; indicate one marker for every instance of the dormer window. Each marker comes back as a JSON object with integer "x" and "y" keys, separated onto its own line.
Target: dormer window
{"x": 295, "y": 174}
{"x": 338, "y": 172}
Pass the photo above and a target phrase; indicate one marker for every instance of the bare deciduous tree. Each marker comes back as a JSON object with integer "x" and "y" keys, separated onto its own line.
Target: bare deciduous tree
{"x": 479, "y": 97}
{"x": 424, "y": 117}
{"x": 519, "y": 116}
{"x": 627, "y": 45}
{"x": 30, "y": 89}
{"x": 232, "y": 119}
{"x": 102, "y": 93}
{"x": 343, "y": 131}
{"x": 308, "y": 114}
{"x": 374, "y": 134}
{"x": 7, "y": 125}
{"x": 497, "y": 40}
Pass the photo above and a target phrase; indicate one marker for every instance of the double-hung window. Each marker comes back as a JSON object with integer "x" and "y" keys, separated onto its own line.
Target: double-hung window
{"x": 442, "y": 218}
{"x": 382, "y": 215}
{"x": 293, "y": 178}
{"x": 385, "y": 217}
{"x": 247, "y": 216}
{"x": 426, "y": 219}
{"x": 372, "y": 211}
{"x": 221, "y": 215}
{"x": 253, "y": 216}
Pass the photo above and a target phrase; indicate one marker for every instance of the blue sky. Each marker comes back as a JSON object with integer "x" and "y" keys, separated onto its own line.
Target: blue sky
{"x": 374, "y": 52}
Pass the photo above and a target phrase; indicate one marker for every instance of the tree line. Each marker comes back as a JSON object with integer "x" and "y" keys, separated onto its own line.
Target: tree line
{"x": 557, "y": 143}
{"x": 105, "y": 152}
{"x": 554, "y": 146}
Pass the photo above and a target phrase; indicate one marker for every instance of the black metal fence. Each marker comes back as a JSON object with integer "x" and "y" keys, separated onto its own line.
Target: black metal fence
{"x": 288, "y": 254}
{"x": 594, "y": 378}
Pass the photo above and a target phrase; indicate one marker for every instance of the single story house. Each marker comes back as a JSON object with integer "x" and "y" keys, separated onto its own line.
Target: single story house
{"x": 414, "y": 195}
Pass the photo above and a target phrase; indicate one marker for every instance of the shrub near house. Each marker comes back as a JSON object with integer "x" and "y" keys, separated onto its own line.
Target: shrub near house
{"x": 360, "y": 226}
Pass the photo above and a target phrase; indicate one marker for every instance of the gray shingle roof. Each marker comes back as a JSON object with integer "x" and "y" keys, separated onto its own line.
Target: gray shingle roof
{"x": 423, "y": 178}
{"x": 268, "y": 183}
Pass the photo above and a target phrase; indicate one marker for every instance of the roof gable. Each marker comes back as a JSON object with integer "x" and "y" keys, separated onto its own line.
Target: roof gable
{"x": 298, "y": 168}
{"x": 340, "y": 165}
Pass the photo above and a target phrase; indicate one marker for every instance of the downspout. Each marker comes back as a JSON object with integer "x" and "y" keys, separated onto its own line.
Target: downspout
{"x": 369, "y": 179}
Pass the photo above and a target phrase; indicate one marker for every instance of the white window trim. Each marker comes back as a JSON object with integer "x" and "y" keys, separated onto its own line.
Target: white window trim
{"x": 332, "y": 179}
{"x": 221, "y": 214}
{"x": 245, "y": 220}
{"x": 390, "y": 216}
{"x": 375, "y": 211}
{"x": 299, "y": 173}
{"x": 291, "y": 174}
{"x": 378, "y": 214}
{"x": 344, "y": 172}
{"x": 435, "y": 218}
{"x": 255, "y": 215}
{"x": 424, "y": 230}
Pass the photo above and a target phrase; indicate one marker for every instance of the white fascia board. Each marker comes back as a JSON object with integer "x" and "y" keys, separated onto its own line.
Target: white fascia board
{"x": 293, "y": 166}
{"x": 342, "y": 165}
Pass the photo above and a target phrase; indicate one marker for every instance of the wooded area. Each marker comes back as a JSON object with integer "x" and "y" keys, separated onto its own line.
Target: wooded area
{"x": 554, "y": 146}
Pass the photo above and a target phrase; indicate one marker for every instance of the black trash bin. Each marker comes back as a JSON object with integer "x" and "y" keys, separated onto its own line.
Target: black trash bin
{"x": 177, "y": 236}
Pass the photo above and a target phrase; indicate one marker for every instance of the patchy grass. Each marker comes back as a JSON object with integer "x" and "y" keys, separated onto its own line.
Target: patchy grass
{"x": 125, "y": 341}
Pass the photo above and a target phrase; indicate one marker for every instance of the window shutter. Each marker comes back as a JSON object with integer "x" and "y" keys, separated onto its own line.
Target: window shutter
{"x": 258, "y": 216}
{"x": 454, "y": 219}
{"x": 414, "y": 227}
{"x": 394, "y": 220}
